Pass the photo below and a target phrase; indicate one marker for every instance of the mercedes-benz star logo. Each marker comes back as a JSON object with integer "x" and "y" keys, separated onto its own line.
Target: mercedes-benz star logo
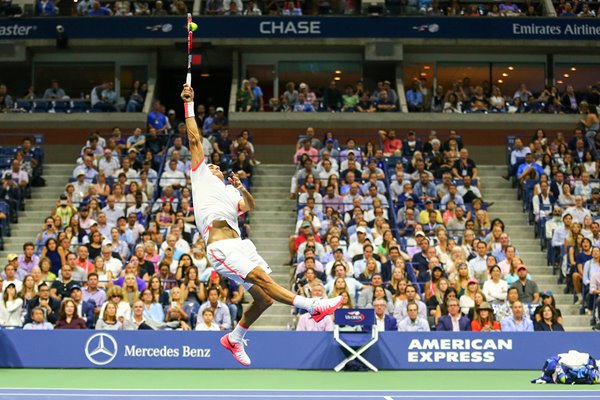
{"x": 101, "y": 348}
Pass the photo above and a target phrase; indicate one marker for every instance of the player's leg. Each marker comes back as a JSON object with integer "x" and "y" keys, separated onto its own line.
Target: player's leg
{"x": 317, "y": 307}
{"x": 234, "y": 341}
{"x": 261, "y": 302}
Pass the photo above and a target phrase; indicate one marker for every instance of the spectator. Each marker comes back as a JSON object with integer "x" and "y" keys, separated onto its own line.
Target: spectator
{"x": 221, "y": 311}
{"x": 92, "y": 293}
{"x": 306, "y": 323}
{"x": 38, "y": 322}
{"x": 109, "y": 321}
{"x": 27, "y": 260}
{"x": 207, "y": 323}
{"x": 484, "y": 319}
{"x": 98, "y": 10}
{"x": 454, "y": 320}
{"x": 46, "y": 8}
{"x": 400, "y": 306}
{"x": 103, "y": 97}
{"x": 332, "y": 97}
{"x": 464, "y": 166}
{"x": 414, "y": 97}
{"x": 258, "y": 103}
{"x": 49, "y": 305}
{"x": 384, "y": 104}
{"x": 152, "y": 309}
{"x": 517, "y": 321}
{"x": 68, "y": 317}
{"x": 62, "y": 288}
{"x": 383, "y": 321}
{"x": 10, "y": 271}
{"x": 84, "y": 308}
{"x": 413, "y": 322}
{"x": 11, "y": 306}
{"x": 527, "y": 289}
{"x": 157, "y": 119}
{"x": 569, "y": 100}
{"x": 54, "y": 92}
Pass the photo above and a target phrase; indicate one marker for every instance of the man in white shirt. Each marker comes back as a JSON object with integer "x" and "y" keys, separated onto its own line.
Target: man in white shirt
{"x": 413, "y": 322}
{"x": 172, "y": 177}
{"x": 542, "y": 203}
{"x": 108, "y": 164}
{"x": 112, "y": 212}
{"x": 10, "y": 273}
{"x": 478, "y": 265}
{"x": 112, "y": 264}
{"x": 129, "y": 172}
{"x": 578, "y": 212}
{"x": 584, "y": 188}
{"x": 311, "y": 192}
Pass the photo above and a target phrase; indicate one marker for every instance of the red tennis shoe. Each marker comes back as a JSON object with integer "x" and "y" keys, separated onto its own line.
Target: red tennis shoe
{"x": 237, "y": 349}
{"x": 324, "y": 307}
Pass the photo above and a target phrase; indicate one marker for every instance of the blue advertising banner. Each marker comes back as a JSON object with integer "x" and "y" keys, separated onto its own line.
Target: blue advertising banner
{"x": 305, "y": 27}
{"x": 284, "y": 349}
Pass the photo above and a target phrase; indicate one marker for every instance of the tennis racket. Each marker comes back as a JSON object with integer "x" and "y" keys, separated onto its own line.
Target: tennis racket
{"x": 188, "y": 78}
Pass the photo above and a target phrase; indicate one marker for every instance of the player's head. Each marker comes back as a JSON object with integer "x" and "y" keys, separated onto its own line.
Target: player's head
{"x": 216, "y": 171}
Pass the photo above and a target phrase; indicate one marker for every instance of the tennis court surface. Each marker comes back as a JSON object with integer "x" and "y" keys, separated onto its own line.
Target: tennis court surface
{"x": 25, "y": 384}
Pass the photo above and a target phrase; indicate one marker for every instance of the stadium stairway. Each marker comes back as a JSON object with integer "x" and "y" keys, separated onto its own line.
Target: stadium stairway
{"x": 36, "y": 209}
{"x": 510, "y": 210}
{"x": 271, "y": 225}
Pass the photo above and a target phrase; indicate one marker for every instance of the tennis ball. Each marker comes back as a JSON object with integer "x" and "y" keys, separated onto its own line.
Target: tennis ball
{"x": 193, "y": 26}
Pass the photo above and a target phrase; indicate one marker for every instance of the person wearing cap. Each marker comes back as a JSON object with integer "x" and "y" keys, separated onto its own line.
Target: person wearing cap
{"x": 81, "y": 185}
{"x": 467, "y": 300}
{"x": 484, "y": 319}
{"x": 84, "y": 308}
{"x": 548, "y": 299}
{"x": 527, "y": 288}
{"x": 11, "y": 307}
{"x": 593, "y": 204}
{"x": 10, "y": 272}
{"x": 425, "y": 214}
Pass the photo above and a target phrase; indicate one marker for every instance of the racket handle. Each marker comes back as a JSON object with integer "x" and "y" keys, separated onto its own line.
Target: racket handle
{"x": 188, "y": 79}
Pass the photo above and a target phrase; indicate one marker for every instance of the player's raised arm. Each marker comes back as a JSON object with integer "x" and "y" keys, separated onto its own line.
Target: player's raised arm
{"x": 194, "y": 135}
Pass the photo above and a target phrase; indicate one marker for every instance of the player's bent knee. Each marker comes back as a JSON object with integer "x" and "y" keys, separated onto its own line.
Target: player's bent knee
{"x": 258, "y": 277}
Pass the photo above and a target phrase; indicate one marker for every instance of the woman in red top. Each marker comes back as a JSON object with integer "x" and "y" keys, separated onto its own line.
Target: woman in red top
{"x": 68, "y": 318}
{"x": 484, "y": 319}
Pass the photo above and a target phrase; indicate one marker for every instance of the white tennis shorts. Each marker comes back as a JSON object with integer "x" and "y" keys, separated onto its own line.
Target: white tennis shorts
{"x": 235, "y": 258}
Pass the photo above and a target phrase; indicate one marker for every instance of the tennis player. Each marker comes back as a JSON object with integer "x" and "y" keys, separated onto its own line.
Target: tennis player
{"x": 216, "y": 209}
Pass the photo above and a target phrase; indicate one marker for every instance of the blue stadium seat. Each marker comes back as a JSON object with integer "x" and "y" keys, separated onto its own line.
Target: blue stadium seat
{"x": 78, "y": 106}
{"x": 23, "y": 105}
{"x": 41, "y": 106}
{"x": 61, "y": 105}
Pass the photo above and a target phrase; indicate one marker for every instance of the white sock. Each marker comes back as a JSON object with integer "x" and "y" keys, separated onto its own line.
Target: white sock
{"x": 238, "y": 333}
{"x": 304, "y": 303}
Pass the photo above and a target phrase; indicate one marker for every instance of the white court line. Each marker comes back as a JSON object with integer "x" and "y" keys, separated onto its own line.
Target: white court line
{"x": 555, "y": 389}
{"x": 516, "y": 395}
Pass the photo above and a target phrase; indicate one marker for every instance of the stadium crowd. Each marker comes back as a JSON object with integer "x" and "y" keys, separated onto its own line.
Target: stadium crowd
{"x": 102, "y": 98}
{"x": 120, "y": 249}
{"x": 559, "y": 183}
{"x": 465, "y": 97}
{"x": 399, "y": 224}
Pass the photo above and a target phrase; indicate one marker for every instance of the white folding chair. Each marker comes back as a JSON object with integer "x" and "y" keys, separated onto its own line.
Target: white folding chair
{"x": 355, "y": 317}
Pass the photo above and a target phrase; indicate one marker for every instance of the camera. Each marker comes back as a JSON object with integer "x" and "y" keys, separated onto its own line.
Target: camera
{"x": 60, "y": 29}
{"x": 301, "y": 281}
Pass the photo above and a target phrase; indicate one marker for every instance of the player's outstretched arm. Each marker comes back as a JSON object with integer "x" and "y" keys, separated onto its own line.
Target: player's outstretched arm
{"x": 194, "y": 135}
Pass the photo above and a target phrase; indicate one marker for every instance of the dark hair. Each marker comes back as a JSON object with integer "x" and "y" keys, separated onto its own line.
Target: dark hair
{"x": 27, "y": 244}
{"x": 554, "y": 313}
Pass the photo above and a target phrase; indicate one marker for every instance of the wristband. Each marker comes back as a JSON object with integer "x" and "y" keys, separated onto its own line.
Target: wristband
{"x": 188, "y": 108}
